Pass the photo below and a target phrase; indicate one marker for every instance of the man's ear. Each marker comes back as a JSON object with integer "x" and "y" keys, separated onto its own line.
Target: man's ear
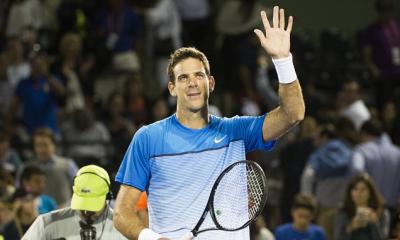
{"x": 171, "y": 88}
{"x": 211, "y": 83}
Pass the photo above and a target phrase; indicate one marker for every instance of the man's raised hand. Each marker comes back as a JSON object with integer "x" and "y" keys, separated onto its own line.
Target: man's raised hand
{"x": 276, "y": 40}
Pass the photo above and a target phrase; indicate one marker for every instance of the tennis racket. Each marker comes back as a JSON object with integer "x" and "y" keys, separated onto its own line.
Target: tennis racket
{"x": 228, "y": 205}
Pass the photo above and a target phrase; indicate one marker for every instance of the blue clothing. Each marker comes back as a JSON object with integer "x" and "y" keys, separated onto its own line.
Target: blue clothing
{"x": 125, "y": 25}
{"x": 46, "y": 204}
{"x": 39, "y": 104}
{"x": 178, "y": 166}
{"x": 287, "y": 232}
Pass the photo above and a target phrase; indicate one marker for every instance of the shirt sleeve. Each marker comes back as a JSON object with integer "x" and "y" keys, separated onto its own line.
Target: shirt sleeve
{"x": 36, "y": 230}
{"x": 135, "y": 169}
{"x": 249, "y": 128}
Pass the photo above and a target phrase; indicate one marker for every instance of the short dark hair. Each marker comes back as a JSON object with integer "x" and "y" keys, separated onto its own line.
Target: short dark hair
{"x": 182, "y": 54}
{"x": 44, "y": 132}
{"x": 372, "y": 127}
{"x": 30, "y": 171}
{"x": 304, "y": 201}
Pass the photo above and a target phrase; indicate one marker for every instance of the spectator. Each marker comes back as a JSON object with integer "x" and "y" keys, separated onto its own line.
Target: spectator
{"x": 17, "y": 68}
{"x": 67, "y": 68}
{"x": 196, "y": 28}
{"x": 89, "y": 211}
{"x": 259, "y": 230}
{"x": 382, "y": 162}
{"x": 86, "y": 139}
{"x": 165, "y": 23}
{"x": 37, "y": 97}
{"x": 363, "y": 215}
{"x": 25, "y": 208}
{"x": 330, "y": 166}
{"x": 59, "y": 171}
{"x": 24, "y": 14}
{"x": 136, "y": 100}
{"x": 7, "y": 185}
{"x": 117, "y": 26}
{"x": 33, "y": 181}
{"x": 381, "y": 51}
{"x": 9, "y": 159}
{"x": 303, "y": 210}
{"x": 351, "y": 105}
{"x": 293, "y": 159}
{"x": 120, "y": 126}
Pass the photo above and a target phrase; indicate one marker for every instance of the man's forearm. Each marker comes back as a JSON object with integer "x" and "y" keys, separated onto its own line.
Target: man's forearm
{"x": 128, "y": 223}
{"x": 291, "y": 101}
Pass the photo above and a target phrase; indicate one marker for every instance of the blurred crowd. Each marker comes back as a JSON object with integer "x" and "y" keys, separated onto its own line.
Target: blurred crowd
{"x": 79, "y": 77}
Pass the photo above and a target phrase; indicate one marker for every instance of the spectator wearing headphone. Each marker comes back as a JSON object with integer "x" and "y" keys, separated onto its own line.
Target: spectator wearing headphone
{"x": 89, "y": 216}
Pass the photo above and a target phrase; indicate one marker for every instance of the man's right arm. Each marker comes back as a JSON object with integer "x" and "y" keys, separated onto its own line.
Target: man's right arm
{"x": 126, "y": 220}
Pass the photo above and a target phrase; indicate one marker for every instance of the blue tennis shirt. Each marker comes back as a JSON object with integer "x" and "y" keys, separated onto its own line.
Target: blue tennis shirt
{"x": 177, "y": 166}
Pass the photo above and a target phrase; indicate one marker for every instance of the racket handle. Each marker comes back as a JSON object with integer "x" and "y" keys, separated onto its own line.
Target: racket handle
{"x": 187, "y": 236}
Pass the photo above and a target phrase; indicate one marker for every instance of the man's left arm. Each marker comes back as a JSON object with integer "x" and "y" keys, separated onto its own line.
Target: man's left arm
{"x": 276, "y": 42}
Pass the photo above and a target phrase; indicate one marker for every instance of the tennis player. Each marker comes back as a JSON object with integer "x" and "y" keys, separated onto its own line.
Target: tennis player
{"x": 176, "y": 160}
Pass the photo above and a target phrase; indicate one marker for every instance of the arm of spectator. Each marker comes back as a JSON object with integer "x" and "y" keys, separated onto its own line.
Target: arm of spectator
{"x": 358, "y": 162}
{"x": 367, "y": 56}
{"x": 56, "y": 86}
{"x": 340, "y": 227}
{"x": 73, "y": 169}
{"x": 307, "y": 180}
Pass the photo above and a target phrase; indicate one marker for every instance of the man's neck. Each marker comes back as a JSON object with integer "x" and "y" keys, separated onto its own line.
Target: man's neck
{"x": 193, "y": 120}
{"x": 300, "y": 228}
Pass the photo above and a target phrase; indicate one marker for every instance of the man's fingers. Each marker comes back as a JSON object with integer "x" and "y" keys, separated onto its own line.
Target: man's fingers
{"x": 275, "y": 17}
{"x": 265, "y": 21}
{"x": 259, "y": 34}
{"x": 290, "y": 24}
{"x": 282, "y": 19}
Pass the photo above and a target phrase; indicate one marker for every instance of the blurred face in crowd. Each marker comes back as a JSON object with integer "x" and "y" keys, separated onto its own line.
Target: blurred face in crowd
{"x": 35, "y": 184}
{"x": 351, "y": 92}
{"x": 360, "y": 194}
{"x": 192, "y": 85}
{"x": 44, "y": 147}
{"x": 117, "y": 104}
{"x": 40, "y": 66}
{"x": 70, "y": 45}
{"x": 301, "y": 218}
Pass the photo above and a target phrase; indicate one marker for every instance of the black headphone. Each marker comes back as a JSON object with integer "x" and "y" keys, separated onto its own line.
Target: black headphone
{"x": 110, "y": 195}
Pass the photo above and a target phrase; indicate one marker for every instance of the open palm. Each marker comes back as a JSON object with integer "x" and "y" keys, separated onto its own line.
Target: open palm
{"x": 276, "y": 40}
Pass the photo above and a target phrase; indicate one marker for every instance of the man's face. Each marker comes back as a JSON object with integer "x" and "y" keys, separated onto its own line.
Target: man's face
{"x": 44, "y": 147}
{"x": 35, "y": 184}
{"x": 192, "y": 85}
{"x": 302, "y": 217}
{"x": 90, "y": 215}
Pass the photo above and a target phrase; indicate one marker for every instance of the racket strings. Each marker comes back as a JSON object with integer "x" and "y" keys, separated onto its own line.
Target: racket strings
{"x": 239, "y": 196}
{"x": 255, "y": 190}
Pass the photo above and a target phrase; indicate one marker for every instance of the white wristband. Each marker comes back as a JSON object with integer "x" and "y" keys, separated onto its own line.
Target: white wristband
{"x": 148, "y": 234}
{"x": 285, "y": 69}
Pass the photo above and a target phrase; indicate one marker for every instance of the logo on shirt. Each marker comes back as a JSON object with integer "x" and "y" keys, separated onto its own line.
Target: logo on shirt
{"x": 218, "y": 140}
